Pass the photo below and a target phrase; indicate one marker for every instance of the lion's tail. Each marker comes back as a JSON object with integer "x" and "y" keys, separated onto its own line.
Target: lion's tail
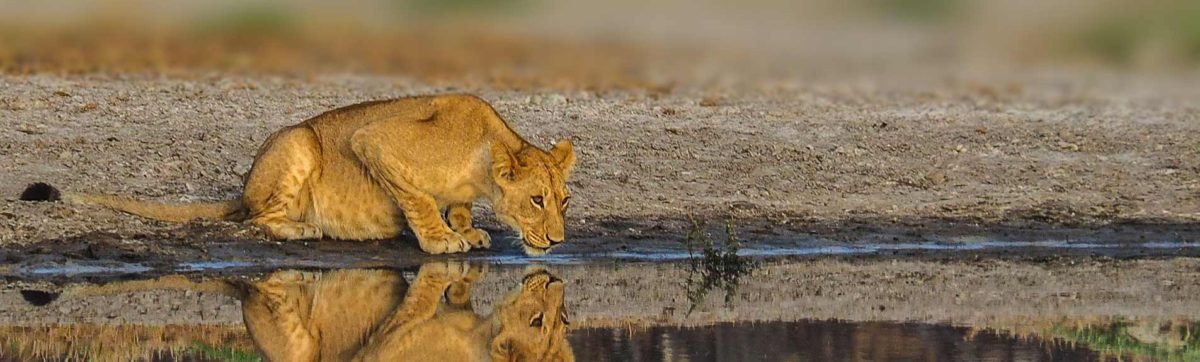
{"x": 231, "y": 210}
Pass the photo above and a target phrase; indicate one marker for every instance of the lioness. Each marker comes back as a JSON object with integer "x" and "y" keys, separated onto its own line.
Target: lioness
{"x": 356, "y": 172}
{"x": 375, "y": 315}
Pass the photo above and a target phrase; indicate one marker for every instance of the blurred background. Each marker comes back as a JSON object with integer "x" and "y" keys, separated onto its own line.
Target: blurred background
{"x": 577, "y": 44}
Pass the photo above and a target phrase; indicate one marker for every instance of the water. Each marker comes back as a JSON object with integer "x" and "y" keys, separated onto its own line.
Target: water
{"x": 804, "y": 340}
{"x": 716, "y": 306}
{"x": 855, "y": 249}
{"x": 85, "y": 268}
{"x": 816, "y": 340}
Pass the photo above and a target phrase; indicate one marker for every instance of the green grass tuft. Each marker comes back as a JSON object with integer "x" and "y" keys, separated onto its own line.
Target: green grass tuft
{"x": 714, "y": 268}
{"x": 1116, "y": 339}
{"x": 228, "y": 354}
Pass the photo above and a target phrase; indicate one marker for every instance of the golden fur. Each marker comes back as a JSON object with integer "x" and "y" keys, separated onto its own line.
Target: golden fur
{"x": 363, "y": 171}
{"x": 375, "y": 315}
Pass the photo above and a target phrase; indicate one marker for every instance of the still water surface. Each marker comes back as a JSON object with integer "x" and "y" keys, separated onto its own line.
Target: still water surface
{"x": 811, "y": 340}
{"x": 499, "y": 310}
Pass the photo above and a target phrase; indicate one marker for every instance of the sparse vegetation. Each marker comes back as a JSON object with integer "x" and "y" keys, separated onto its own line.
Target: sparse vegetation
{"x": 1117, "y": 338}
{"x": 223, "y": 353}
{"x": 1168, "y": 31}
{"x": 258, "y": 19}
{"x": 458, "y": 7}
{"x": 126, "y": 343}
{"x": 714, "y": 268}
{"x": 921, "y": 10}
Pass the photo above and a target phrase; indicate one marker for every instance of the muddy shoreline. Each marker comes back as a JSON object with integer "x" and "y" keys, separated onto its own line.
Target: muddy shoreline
{"x": 226, "y": 245}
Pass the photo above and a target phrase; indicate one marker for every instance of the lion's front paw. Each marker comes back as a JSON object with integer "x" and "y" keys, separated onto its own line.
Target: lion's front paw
{"x": 290, "y": 230}
{"x": 478, "y": 239}
{"x": 446, "y": 271}
{"x": 444, "y": 243}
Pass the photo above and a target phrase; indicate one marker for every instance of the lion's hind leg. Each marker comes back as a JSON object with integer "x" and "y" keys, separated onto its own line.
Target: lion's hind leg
{"x": 277, "y": 315}
{"x": 420, "y": 304}
{"x": 420, "y": 209}
{"x": 277, "y": 189}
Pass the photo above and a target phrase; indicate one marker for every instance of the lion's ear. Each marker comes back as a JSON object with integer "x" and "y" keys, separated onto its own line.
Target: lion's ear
{"x": 504, "y": 164}
{"x": 564, "y": 155}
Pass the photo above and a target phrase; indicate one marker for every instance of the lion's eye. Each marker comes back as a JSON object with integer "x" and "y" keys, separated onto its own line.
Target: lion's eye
{"x": 537, "y": 321}
{"x": 537, "y": 200}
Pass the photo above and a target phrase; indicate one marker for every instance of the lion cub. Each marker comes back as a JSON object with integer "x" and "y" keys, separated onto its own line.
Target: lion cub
{"x": 364, "y": 171}
{"x": 373, "y": 315}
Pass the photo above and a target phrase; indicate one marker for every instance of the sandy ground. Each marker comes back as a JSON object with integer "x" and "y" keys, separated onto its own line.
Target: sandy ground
{"x": 980, "y": 153}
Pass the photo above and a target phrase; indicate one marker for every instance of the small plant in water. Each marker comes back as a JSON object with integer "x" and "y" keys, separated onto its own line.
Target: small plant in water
{"x": 713, "y": 268}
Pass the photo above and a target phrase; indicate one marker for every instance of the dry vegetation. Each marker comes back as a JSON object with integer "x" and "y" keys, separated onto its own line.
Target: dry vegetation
{"x": 1117, "y": 338}
{"x": 288, "y": 39}
{"x": 125, "y": 343}
{"x": 455, "y": 57}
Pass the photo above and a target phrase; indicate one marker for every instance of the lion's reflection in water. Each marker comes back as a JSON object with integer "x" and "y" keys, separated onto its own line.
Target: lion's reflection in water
{"x": 375, "y": 315}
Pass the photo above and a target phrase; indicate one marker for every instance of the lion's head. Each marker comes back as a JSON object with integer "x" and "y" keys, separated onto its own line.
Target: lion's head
{"x": 533, "y": 192}
{"x": 533, "y": 322}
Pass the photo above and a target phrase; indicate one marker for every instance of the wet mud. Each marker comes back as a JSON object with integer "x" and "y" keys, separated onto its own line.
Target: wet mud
{"x": 218, "y": 246}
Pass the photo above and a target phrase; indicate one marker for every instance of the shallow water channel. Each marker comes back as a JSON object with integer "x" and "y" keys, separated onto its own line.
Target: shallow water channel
{"x": 710, "y": 307}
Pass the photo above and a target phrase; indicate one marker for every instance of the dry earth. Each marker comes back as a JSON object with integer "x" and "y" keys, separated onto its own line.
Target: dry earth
{"x": 834, "y": 159}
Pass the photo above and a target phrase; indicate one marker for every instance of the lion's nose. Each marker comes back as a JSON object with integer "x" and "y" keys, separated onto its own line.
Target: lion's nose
{"x": 552, "y": 241}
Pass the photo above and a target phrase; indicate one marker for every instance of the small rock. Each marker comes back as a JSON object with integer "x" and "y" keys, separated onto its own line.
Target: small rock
{"x": 936, "y": 178}
{"x": 1067, "y": 136}
{"x": 30, "y": 129}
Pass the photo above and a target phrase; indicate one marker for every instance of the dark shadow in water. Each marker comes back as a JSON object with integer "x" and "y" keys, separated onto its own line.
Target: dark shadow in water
{"x": 1028, "y": 235}
{"x": 815, "y": 341}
